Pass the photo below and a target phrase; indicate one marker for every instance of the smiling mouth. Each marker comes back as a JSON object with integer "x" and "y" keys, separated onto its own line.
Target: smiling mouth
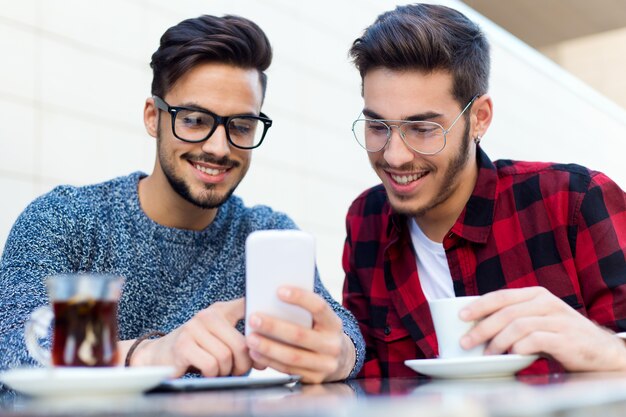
{"x": 209, "y": 171}
{"x": 407, "y": 179}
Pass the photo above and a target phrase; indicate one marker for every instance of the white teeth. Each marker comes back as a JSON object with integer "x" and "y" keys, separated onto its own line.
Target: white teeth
{"x": 209, "y": 170}
{"x": 405, "y": 179}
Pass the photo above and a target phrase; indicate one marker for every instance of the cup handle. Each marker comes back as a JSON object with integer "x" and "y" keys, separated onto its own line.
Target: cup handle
{"x": 37, "y": 327}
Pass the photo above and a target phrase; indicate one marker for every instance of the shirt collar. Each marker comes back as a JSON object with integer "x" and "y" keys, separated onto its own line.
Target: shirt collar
{"x": 476, "y": 219}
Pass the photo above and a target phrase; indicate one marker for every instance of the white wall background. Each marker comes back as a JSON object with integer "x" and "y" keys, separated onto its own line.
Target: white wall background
{"x": 74, "y": 75}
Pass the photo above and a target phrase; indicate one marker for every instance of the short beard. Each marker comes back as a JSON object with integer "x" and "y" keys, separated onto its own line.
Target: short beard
{"x": 208, "y": 199}
{"x": 448, "y": 185}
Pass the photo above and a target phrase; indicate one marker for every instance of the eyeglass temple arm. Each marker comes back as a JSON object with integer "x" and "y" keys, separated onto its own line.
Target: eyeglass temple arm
{"x": 160, "y": 103}
{"x": 461, "y": 114}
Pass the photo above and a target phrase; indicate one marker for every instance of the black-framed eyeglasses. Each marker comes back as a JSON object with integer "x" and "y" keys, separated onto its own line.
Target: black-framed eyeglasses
{"x": 424, "y": 137}
{"x": 243, "y": 131}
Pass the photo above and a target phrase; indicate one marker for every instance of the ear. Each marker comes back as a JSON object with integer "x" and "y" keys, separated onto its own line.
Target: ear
{"x": 151, "y": 117}
{"x": 482, "y": 113}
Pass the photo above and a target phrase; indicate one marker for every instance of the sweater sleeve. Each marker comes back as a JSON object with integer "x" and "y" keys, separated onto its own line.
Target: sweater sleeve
{"x": 350, "y": 325}
{"x": 39, "y": 245}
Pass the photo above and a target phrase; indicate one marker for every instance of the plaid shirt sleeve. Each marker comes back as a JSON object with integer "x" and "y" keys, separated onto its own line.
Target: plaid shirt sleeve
{"x": 354, "y": 298}
{"x": 601, "y": 252}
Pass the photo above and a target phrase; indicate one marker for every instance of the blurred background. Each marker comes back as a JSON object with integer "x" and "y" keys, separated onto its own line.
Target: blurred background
{"x": 74, "y": 75}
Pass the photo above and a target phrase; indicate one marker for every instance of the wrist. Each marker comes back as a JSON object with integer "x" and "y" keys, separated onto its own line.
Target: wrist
{"x": 136, "y": 355}
{"x": 348, "y": 353}
{"x": 141, "y": 356}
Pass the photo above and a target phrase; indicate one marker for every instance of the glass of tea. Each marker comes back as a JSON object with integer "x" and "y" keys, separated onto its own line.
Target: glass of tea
{"x": 84, "y": 310}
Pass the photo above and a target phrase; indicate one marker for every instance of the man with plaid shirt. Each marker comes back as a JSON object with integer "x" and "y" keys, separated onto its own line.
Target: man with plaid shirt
{"x": 544, "y": 242}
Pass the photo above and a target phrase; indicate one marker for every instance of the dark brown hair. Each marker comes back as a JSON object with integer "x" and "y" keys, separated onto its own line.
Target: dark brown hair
{"x": 427, "y": 37}
{"x": 229, "y": 39}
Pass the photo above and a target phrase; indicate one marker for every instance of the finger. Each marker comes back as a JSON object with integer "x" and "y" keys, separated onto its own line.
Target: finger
{"x": 579, "y": 348}
{"x": 296, "y": 335}
{"x": 323, "y": 315}
{"x": 258, "y": 365}
{"x": 237, "y": 348}
{"x": 520, "y": 329}
{"x": 259, "y": 361}
{"x": 487, "y": 328}
{"x": 543, "y": 342}
{"x": 216, "y": 348}
{"x": 233, "y": 310}
{"x": 494, "y": 301}
{"x": 241, "y": 357}
{"x": 195, "y": 356}
{"x": 306, "y": 375}
{"x": 230, "y": 349}
{"x": 290, "y": 356}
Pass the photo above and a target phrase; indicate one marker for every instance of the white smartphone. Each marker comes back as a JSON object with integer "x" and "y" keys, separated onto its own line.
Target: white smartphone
{"x": 275, "y": 258}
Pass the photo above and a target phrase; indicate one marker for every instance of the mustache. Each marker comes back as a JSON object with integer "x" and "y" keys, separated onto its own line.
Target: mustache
{"x": 210, "y": 159}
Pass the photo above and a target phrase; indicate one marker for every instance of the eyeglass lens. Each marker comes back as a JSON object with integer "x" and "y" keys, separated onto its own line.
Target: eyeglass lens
{"x": 425, "y": 137}
{"x": 196, "y": 126}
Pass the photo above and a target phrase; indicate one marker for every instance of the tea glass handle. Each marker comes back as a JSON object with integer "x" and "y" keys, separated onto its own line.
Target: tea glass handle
{"x": 36, "y": 328}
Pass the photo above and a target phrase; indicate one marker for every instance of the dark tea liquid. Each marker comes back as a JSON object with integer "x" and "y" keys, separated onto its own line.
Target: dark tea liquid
{"x": 85, "y": 333}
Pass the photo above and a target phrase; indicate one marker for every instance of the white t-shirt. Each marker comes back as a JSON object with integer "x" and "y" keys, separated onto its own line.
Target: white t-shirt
{"x": 432, "y": 265}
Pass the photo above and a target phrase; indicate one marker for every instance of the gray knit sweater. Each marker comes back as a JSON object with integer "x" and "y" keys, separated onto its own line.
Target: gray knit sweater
{"x": 170, "y": 273}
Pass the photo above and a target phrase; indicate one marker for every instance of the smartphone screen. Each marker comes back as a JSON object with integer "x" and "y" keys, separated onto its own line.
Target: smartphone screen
{"x": 275, "y": 258}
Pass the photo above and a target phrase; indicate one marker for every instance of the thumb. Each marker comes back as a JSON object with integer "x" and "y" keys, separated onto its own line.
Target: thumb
{"x": 235, "y": 310}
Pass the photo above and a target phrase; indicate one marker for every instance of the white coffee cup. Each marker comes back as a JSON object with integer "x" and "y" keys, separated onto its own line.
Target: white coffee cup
{"x": 449, "y": 328}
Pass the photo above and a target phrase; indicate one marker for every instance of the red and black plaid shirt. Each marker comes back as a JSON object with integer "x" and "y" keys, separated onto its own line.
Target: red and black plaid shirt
{"x": 562, "y": 227}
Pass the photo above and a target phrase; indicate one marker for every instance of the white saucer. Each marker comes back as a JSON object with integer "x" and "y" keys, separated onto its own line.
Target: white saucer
{"x": 489, "y": 366}
{"x": 47, "y": 382}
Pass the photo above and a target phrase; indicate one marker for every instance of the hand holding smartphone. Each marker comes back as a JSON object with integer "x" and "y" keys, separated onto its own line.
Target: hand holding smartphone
{"x": 275, "y": 258}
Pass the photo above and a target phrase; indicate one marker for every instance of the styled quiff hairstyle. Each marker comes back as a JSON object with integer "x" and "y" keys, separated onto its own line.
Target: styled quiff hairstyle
{"x": 229, "y": 39}
{"x": 427, "y": 38}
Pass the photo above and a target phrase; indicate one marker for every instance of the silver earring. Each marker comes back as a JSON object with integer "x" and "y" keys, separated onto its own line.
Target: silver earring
{"x": 477, "y": 139}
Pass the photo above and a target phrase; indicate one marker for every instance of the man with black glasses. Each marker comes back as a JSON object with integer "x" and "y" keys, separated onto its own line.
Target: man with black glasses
{"x": 177, "y": 235}
{"x": 544, "y": 244}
